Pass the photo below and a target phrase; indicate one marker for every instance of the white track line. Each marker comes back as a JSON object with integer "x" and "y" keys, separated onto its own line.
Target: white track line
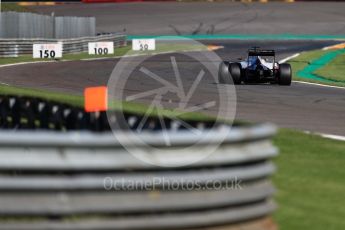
{"x": 128, "y": 56}
{"x": 334, "y": 137}
{"x": 318, "y": 84}
{"x": 25, "y": 63}
{"x": 328, "y": 136}
{"x": 288, "y": 58}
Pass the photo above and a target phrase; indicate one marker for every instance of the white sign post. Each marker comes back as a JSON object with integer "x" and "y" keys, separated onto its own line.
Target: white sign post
{"x": 53, "y": 50}
{"x": 101, "y": 48}
{"x": 143, "y": 44}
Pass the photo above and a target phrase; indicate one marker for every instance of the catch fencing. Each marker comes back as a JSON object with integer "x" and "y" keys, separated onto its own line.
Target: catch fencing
{"x": 30, "y": 25}
{"x": 16, "y": 47}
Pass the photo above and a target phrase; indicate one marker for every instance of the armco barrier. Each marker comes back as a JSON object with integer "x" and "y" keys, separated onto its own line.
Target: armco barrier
{"x": 88, "y": 180}
{"x": 55, "y": 180}
{"x": 16, "y": 47}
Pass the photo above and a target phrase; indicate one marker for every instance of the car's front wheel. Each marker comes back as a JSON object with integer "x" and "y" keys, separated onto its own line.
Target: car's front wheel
{"x": 285, "y": 74}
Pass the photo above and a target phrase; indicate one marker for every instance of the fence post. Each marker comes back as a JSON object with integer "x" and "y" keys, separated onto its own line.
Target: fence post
{"x": 53, "y": 24}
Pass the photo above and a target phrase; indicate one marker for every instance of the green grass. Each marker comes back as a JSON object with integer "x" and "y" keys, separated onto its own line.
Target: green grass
{"x": 118, "y": 52}
{"x": 13, "y": 7}
{"x": 310, "y": 182}
{"x": 140, "y": 109}
{"x": 334, "y": 70}
{"x": 78, "y": 101}
{"x": 303, "y": 60}
{"x": 300, "y": 62}
{"x": 73, "y": 100}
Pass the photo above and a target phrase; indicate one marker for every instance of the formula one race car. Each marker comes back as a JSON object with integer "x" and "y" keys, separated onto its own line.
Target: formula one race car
{"x": 260, "y": 67}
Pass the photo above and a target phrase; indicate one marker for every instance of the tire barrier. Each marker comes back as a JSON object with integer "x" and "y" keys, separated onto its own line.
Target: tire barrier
{"x": 34, "y": 113}
{"x": 27, "y": 113}
{"x": 88, "y": 180}
{"x": 16, "y": 47}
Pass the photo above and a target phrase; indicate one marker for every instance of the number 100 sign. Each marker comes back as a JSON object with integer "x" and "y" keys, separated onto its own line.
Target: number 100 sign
{"x": 101, "y": 48}
{"x": 53, "y": 50}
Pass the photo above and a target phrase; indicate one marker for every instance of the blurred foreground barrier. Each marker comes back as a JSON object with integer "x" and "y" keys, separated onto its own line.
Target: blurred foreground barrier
{"x": 78, "y": 179}
{"x": 84, "y": 180}
{"x": 16, "y": 47}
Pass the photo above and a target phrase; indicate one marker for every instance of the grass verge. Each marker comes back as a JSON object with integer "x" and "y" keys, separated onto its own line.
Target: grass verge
{"x": 78, "y": 101}
{"x": 334, "y": 70}
{"x": 118, "y": 52}
{"x": 69, "y": 99}
{"x": 305, "y": 58}
{"x": 310, "y": 181}
{"x": 13, "y": 7}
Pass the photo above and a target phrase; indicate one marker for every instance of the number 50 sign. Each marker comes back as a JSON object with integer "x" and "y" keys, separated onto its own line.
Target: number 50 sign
{"x": 143, "y": 44}
{"x": 53, "y": 50}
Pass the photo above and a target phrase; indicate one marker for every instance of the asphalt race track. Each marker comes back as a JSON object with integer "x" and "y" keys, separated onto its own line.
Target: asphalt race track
{"x": 173, "y": 18}
{"x": 301, "y": 106}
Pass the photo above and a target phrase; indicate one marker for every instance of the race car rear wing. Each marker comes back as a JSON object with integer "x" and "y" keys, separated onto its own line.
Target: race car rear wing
{"x": 258, "y": 52}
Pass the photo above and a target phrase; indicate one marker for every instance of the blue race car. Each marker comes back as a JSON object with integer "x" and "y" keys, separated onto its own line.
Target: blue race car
{"x": 260, "y": 67}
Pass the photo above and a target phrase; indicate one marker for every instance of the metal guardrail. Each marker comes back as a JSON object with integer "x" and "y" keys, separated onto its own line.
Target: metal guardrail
{"x": 59, "y": 180}
{"x": 52, "y": 180}
{"x": 16, "y": 47}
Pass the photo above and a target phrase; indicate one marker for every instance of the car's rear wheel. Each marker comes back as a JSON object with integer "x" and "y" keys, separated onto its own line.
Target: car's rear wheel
{"x": 235, "y": 72}
{"x": 285, "y": 74}
{"x": 223, "y": 73}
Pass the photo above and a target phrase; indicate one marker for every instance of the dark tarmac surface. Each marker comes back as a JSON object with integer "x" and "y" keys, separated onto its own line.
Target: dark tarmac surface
{"x": 162, "y": 18}
{"x": 301, "y": 106}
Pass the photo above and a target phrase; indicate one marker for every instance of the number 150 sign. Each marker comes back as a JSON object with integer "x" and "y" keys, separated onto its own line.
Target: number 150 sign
{"x": 53, "y": 50}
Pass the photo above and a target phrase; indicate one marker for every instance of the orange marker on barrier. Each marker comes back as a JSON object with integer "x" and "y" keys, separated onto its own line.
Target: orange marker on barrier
{"x": 96, "y": 99}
